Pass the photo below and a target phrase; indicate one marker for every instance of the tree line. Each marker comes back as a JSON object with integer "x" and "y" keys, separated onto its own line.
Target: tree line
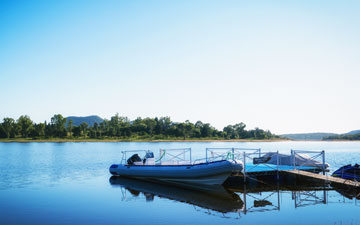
{"x": 343, "y": 137}
{"x": 122, "y": 127}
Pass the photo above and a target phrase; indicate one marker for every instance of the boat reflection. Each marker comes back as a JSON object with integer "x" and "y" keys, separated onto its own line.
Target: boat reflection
{"x": 213, "y": 197}
{"x": 236, "y": 201}
{"x": 348, "y": 192}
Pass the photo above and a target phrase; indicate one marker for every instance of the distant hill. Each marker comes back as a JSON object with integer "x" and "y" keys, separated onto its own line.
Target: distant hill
{"x": 352, "y": 135}
{"x": 353, "y": 132}
{"x": 308, "y": 136}
{"x": 90, "y": 120}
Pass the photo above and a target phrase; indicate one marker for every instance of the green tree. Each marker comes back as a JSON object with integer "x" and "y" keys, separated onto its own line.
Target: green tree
{"x": 150, "y": 125}
{"x": 49, "y": 129}
{"x": 240, "y": 130}
{"x": 83, "y": 128}
{"x": 96, "y": 129}
{"x": 257, "y": 133}
{"x": 9, "y": 127}
{"x": 139, "y": 126}
{"x": 25, "y": 125}
{"x": 70, "y": 127}
{"x": 2, "y": 132}
{"x": 39, "y": 130}
{"x": 188, "y": 129}
{"x": 77, "y": 131}
{"x": 197, "y": 129}
{"x": 114, "y": 124}
{"x": 102, "y": 128}
{"x": 58, "y": 122}
{"x": 180, "y": 130}
{"x": 206, "y": 130}
{"x": 164, "y": 124}
{"x": 230, "y": 132}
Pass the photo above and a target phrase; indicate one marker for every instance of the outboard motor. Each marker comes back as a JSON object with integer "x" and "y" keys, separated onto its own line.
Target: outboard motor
{"x": 133, "y": 158}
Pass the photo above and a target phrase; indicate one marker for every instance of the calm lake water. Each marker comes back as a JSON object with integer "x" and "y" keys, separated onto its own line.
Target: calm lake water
{"x": 69, "y": 183}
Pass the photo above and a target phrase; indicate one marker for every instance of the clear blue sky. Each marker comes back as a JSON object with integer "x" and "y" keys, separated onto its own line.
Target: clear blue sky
{"x": 287, "y": 66}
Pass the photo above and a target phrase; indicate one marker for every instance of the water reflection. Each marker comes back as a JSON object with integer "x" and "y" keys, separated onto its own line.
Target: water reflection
{"x": 235, "y": 200}
{"x": 215, "y": 198}
{"x": 347, "y": 192}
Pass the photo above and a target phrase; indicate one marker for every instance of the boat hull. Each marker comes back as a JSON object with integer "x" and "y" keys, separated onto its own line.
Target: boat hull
{"x": 212, "y": 173}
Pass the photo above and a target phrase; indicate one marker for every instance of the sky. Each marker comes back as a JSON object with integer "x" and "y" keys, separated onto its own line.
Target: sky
{"x": 283, "y": 66}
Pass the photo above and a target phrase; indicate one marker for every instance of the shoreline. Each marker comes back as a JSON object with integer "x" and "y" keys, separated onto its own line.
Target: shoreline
{"x": 63, "y": 140}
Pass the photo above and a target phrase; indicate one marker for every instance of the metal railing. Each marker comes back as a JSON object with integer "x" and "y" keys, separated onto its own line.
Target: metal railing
{"x": 124, "y": 154}
{"x": 258, "y": 155}
{"x": 311, "y": 159}
{"x": 175, "y": 155}
{"x": 214, "y": 154}
{"x": 306, "y": 198}
{"x": 272, "y": 197}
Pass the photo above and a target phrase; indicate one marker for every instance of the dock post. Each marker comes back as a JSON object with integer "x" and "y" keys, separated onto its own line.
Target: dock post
{"x": 278, "y": 192}
{"x": 233, "y": 152}
{"x": 244, "y": 154}
{"x": 293, "y": 158}
{"x": 277, "y": 165}
{"x": 245, "y": 199}
{"x": 323, "y": 161}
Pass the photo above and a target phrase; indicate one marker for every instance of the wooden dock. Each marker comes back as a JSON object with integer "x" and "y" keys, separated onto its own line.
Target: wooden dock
{"x": 325, "y": 178}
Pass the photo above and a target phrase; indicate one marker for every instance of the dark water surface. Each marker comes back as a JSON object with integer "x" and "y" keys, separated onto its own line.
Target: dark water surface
{"x": 69, "y": 183}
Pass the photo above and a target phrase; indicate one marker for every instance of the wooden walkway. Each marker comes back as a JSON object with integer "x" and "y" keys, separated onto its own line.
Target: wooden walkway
{"x": 331, "y": 179}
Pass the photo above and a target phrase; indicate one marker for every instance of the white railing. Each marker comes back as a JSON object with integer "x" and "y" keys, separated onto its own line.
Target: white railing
{"x": 175, "y": 155}
{"x": 214, "y": 154}
{"x": 125, "y": 154}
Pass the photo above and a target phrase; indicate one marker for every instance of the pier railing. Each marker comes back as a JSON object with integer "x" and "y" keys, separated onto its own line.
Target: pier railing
{"x": 257, "y": 160}
{"x": 309, "y": 158}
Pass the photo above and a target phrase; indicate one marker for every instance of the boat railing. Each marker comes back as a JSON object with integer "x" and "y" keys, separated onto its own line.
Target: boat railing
{"x": 126, "y": 153}
{"x": 313, "y": 155}
{"x": 177, "y": 156}
{"x": 198, "y": 161}
{"x": 214, "y": 154}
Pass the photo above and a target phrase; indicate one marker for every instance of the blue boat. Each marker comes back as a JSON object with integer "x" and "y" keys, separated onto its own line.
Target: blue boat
{"x": 348, "y": 172}
{"x": 180, "y": 170}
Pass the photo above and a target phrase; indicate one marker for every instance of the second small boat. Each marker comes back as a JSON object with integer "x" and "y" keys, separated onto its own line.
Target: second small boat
{"x": 348, "y": 172}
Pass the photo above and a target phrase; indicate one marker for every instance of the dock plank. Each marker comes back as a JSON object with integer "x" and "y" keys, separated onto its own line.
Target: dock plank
{"x": 325, "y": 178}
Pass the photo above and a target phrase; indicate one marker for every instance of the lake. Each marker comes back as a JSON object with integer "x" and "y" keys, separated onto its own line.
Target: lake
{"x": 69, "y": 183}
